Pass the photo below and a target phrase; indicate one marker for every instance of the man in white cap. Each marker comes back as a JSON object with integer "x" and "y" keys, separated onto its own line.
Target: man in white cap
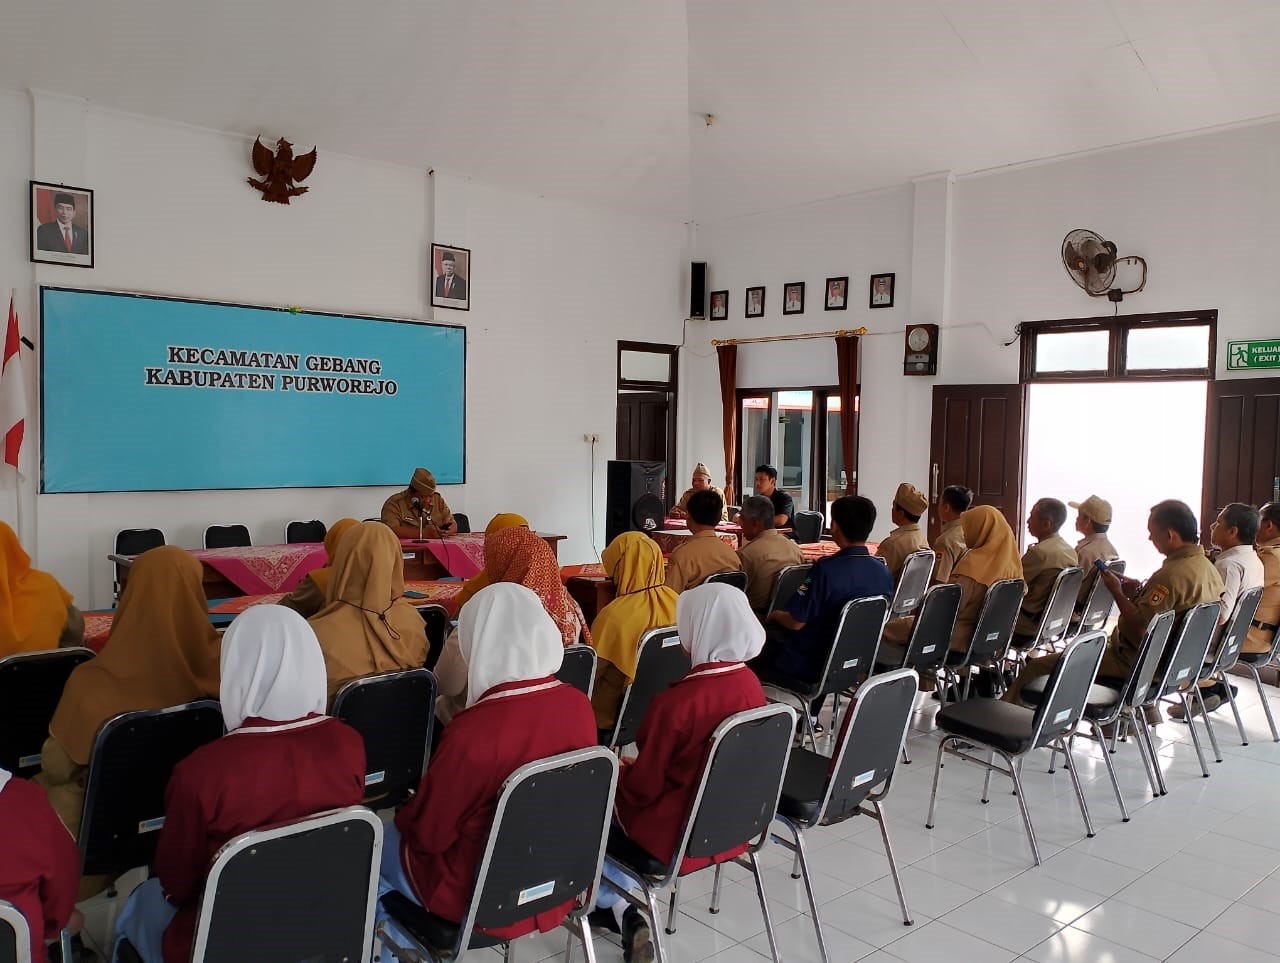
{"x": 1093, "y": 518}
{"x": 909, "y": 503}
{"x": 420, "y": 500}
{"x": 700, "y": 482}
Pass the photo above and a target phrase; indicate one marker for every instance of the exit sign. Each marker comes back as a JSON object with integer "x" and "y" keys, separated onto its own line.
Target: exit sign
{"x": 1245, "y": 355}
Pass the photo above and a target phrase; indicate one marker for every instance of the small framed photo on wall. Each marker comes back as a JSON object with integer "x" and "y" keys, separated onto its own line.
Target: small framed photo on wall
{"x": 719, "y": 305}
{"x": 451, "y": 277}
{"x": 882, "y": 290}
{"x": 793, "y": 297}
{"x": 61, "y": 225}
{"x": 754, "y": 301}
{"x": 837, "y": 294}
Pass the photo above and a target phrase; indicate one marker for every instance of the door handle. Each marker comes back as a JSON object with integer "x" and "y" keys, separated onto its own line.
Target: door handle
{"x": 933, "y": 487}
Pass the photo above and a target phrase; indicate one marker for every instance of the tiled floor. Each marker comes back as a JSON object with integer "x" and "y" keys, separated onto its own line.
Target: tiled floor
{"x": 1194, "y": 876}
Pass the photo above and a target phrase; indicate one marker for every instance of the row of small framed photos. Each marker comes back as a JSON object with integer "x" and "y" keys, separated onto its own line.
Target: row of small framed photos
{"x": 879, "y": 295}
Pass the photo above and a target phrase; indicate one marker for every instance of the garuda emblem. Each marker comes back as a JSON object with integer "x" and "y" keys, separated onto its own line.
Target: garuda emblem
{"x": 280, "y": 171}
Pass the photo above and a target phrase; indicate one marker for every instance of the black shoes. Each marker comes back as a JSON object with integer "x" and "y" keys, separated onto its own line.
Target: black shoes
{"x": 636, "y": 939}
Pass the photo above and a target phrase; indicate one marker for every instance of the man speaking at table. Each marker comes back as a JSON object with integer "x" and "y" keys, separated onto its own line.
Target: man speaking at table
{"x": 420, "y": 501}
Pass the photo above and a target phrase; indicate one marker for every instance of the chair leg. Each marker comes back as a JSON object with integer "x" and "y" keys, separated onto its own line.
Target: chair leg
{"x": 1111, "y": 769}
{"x": 1262, "y": 697}
{"x": 715, "y": 889}
{"x": 893, "y": 868}
{"x": 937, "y": 775}
{"x": 906, "y": 753}
{"x": 764, "y": 907}
{"x": 674, "y": 907}
{"x": 509, "y": 951}
{"x": 1195, "y": 736}
{"x": 655, "y": 926}
{"x": 803, "y": 862}
{"x": 986, "y": 780}
{"x": 1235, "y": 711}
{"x": 588, "y": 944}
{"x": 1144, "y": 731}
{"x": 1131, "y": 727}
{"x": 1022, "y": 805}
{"x": 797, "y": 870}
{"x": 1075, "y": 781}
{"x": 1208, "y": 723}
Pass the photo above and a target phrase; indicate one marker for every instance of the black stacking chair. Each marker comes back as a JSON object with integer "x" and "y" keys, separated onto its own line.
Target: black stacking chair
{"x": 579, "y": 668}
{"x": 312, "y": 531}
{"x": 822, "y": 791}
{"x": 789, "y": 579}
{"x": 394, "y": 712}
{"x": 1055, "y": 621}
{"x": 808, "y": 527}
{"x": 227, "y": 536}
{"x": 737, "y": 579}
{"x": 991, "y": 635}
{"x": 436, "y": 620}
{"x": 1227, "y": 657}
{"x": 916, "y": 572}
{"x": 134, "y": 541}
{"x": 545, "y": 848}
{"x": 734, "y": 804}
{"x": 1253, "y": 661}
{"x": 31, "y": 684}
{"x": 851, "y": 658}
{"x": 1011, "y": 731}
{"x": 1099, "y": 605}
{"x": 930, "y": 638}
{"x": 662, "y": 661}
{"x": 462, "y": 524}
{"x": 133, "y": 756}
{"x": 15, "y": 937}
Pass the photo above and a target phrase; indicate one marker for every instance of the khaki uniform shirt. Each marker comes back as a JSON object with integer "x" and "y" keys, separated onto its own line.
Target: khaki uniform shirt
{"x": 1093, "y": 548}
{"x": 399, "y": 510}
{"x": 1040, "y": 566}
{"x": 683, "y": 504}
{"x": 948, "y": 547}
{"x": 1241, "y": 570}
{"x": 1260, "y": 639}
{"x": 762, "y": 559}
{"x": 700, "y": 555}
{"x": 900, "y": 543}
{"x": 1186, "y": 578}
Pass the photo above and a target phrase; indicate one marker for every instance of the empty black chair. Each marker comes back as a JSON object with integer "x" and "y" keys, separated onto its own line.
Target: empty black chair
{"x": 545, "y": 848}
{"x": 789, "y": 579}
{"x": 1182, "y": 667}
{"x": 930, "y": 639}
{"x": 737, "y": 579}
{"x": 991, "y": 634}
{"x": 462, "y": 522}
{"x": 312, "y": 531}
{"x": 394, "y": 712}
{"x": 1231, "y": 639}
{"x": 661, "y": 661}
{"x": 133, "y": 756}
{"x": 917, "y": 569}
{"x": 134, "y": 541}
{"x": 579, "y": 668}
{"x": 227, "y": 536}
{"x": 436, "y": 620}
{"x": 1055, "y": 620}
{"x": 31, "y": 684}
{"x": 1100, "y": 603}
{"x": 808, "y": 527}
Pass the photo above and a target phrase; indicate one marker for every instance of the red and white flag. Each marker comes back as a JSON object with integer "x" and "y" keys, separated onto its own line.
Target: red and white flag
{"x": 13, "y": 391}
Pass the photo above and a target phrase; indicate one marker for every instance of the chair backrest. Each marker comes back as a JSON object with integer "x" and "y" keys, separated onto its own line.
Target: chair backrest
{"x": 135, "y": 541}
{"x": 1155, "y": 642}
{"x": 31, "y": 684}
{"x": 1186, "y": 654}
{"x": 790, "y": 579}
{"x": 808, "y": 526}
{"x": 994, "y": 629}
{"x": 917, "y": 569}
{"x": 579, "y": 668}
{"x": 853, "y": 650}
{"x": 1067, "y": 690}
{"x": 133, "y": 756}
{"x": 1055, "y": 620}
{"x": 871, "y": 740}
{"x": 394, "y": 713}
{"x": 1235, "y": 629}
{"x": 15, "y": 935}
{"x": 737, "y": 579}
{"x": 661, "y": 662}
{"x": 461, "y": 522}
{"x": 1098, "y": 606}
{"x": 226, "y": 536}
{"x": 312, "y": 531}
{"x": 546, "y": 844}
{"x": 304, "y": 890}
{"x": 436, "y": 620}
{"x": 931, "y": 634}
{"x": 741, "y": 781}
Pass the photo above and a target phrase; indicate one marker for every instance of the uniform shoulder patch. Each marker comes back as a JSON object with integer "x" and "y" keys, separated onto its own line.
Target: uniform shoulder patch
{"x": 1158, "y": 595}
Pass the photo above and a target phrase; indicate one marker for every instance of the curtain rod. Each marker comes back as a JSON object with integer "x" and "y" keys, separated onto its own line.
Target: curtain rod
{"x": 856, "y": 332}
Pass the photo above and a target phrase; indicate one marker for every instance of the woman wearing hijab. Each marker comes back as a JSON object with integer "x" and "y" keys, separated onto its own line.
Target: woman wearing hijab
{"x": 312, "y": 592}
{"x": 281, "y": 759}
{"x": 478, "y": 581}
{"x": 35, "y": 611}
{"x": 516, "y": 712}
{"x": 643, "y": 602}
{"x": 721, "y": 633}
{"x": 367, "y": 625}
{"x": 162, "y": 652}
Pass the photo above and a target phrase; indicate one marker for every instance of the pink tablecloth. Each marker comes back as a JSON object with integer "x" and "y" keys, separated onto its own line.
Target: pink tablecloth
{"x": 461, "y": 555}
{"x": 264, "y": 569}
{"x": 667, "y": 541}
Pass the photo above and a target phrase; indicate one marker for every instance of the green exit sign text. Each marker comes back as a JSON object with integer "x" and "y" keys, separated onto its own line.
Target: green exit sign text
{"x": 1244, "y": 355}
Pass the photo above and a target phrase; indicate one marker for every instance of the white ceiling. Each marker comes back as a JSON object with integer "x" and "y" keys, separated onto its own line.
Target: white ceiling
{"x": 600, "y": 100}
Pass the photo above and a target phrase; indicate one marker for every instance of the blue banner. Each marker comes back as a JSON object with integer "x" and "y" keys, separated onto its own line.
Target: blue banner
{"x": 161, "y": 394}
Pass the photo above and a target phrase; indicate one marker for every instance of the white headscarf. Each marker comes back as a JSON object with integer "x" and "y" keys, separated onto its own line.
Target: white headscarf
{"x": 272, "y": 667}
{"x": 5, "y": 776}
{"x": 506, "y": 635}
{"x": 716, "y": 624}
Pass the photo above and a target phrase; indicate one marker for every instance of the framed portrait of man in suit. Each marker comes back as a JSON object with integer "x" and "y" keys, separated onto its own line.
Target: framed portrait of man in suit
{"x": 450, "y": 277}
{"x": 61, "y": 225}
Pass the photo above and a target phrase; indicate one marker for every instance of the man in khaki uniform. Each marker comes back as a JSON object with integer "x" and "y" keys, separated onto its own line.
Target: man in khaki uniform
{"x": 1266, "y": 620}
{"x": 1186, "y": 578}
{"x": 1093, "y": 518}
{"x": 766, "y": 553}
{"x": 909, "y": 504}
{"x": 1041, "y": 564}
{"x": 703, "y": 553}
{"x": 949, "y": 545}
{"x": 701, "y": 482}
{"x": 401, "y": 515}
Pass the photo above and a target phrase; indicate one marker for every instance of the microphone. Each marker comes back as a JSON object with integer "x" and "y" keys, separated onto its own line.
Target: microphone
{"x": 416, "y": 504}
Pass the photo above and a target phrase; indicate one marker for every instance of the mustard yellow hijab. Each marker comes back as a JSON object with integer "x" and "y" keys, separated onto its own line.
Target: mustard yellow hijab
{"x": 481, "y": 579}
{"x": 332, "y": 537}
{"x": 644, "y": 602}
{"x": 993, "y": 551}
{"x": 33, "y": 606}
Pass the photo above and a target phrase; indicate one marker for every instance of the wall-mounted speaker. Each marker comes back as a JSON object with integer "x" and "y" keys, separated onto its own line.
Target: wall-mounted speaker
{"x": 634, "y": 497}
{"x": 698, "y": 289}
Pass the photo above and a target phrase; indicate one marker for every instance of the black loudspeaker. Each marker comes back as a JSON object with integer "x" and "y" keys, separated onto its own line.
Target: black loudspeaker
{"x": 633, "y": 497}
{"x": 698, "y": 289}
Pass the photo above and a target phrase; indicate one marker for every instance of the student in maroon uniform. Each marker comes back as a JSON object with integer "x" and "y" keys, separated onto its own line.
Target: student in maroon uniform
{"x": 39, "y": 861}
{"x": 721, "y": 632}
{"x": 516, "y": 713}
{"x": 281, "y": 759}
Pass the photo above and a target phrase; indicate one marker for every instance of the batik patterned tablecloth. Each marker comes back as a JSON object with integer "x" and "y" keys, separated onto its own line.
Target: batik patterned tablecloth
{"x": 263, "y": 569}
{"x": 589, "y": 570}
{"x": 668, "y": 541}
{"x": 97, "y": 625}
{"x": 461, "y": 555}
{"x": 437, "y": 593}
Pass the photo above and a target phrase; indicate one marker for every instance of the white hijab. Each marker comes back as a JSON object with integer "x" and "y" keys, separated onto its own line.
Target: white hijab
{"x": 716, "y": 624}
{"x": 5, "y": 776}
{"x": 272, "y": 667}
{"x": 506, "y": 635}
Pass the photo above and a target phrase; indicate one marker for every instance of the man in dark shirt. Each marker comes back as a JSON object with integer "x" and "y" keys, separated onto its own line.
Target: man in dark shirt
{"x": 783, "y": 507}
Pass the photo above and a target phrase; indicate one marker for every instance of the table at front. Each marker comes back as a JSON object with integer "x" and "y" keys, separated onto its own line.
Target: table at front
{"x": 459, "y": 556}
{"x": 249, "y": 569}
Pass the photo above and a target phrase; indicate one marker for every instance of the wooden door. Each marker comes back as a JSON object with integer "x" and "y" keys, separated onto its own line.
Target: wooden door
{"x": 977, "y": 440}
{"x": 644, "y": 427}
{"x": 1241, "y": 445}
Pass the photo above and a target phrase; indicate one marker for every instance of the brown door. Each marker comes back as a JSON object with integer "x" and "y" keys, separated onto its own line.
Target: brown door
{"x": 977, "y": 442}
{"x": 1241, "y": 445}
{"x": 645, "y": 432}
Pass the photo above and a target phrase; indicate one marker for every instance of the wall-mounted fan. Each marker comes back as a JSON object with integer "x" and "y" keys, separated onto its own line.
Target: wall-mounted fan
{"x": 1092, "y": 263}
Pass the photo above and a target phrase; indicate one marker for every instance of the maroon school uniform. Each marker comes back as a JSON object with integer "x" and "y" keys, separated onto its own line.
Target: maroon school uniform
{"x": 39, "y": 861}
{"x": 261, "y": 774}
{"x": 444, "y": 828}
{"x": 655, "y": 791}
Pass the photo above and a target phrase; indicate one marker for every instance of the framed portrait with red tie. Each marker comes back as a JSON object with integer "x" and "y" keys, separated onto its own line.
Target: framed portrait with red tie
{"x": 450, "y": 277}
{"x": 61, "y": 224}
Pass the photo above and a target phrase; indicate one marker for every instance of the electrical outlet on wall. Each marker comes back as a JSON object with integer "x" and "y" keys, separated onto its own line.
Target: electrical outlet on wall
{"x": 591, "y": 439}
